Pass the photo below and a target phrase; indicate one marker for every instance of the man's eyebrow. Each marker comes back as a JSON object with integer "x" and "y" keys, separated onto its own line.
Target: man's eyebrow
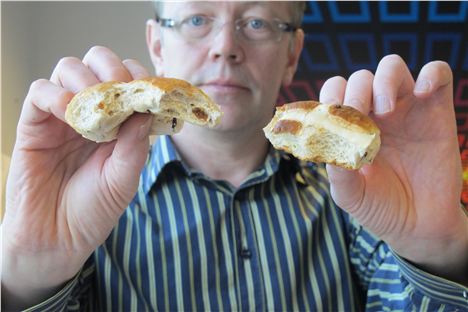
{"x": 254, "y": 3}
{"x": 260, "y": 4}
{"x": 244, "y": 3}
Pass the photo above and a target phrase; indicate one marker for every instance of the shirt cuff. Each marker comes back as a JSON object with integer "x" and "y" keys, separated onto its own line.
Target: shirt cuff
{"x": 432, "y": 286}
{"x": 59, "y": 301}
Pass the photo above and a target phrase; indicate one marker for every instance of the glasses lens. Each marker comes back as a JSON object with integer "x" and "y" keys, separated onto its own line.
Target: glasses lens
{"x": 258, "y": 29}
{"x": 196, "y": 26}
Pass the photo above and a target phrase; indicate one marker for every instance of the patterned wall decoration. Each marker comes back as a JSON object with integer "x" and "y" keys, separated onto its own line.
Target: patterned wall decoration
{"x": 345, "y": 36}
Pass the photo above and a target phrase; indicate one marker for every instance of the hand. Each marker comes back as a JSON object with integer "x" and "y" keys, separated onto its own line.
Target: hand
{"x": 410, "y": 195}
{"x": 65, "y": 193}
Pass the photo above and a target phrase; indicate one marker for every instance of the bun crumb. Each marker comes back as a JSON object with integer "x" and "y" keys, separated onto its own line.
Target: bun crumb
{"x": 334, "y": 134}
{"x": 98, "y": 111}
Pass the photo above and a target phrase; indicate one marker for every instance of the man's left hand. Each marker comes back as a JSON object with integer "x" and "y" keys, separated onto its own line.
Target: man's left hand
{"x": 410, "y": 195}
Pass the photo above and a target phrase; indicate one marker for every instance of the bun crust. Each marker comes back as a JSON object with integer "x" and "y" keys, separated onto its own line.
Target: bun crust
{"x": 334, "y": 134}
{"x": 98, "y": 111}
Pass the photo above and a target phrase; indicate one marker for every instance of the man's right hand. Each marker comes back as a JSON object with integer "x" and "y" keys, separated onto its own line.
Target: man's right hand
{"x": 65, "y": 193}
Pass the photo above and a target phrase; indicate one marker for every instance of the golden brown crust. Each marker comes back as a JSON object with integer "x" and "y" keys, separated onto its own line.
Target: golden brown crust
{"x": 170, "y": 84}
{"x": 353, "y": 116}
{"x": 334, "y": 134}
{"x": 306, "y": 105}
{"x": 200, "y": 114}
{"x": 287, "y": 126}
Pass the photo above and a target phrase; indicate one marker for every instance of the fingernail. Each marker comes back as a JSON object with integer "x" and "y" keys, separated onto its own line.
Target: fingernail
{"x": 422, "y": 85}
{"x": 382, "y": 105}
{"x": 144, "y": 130}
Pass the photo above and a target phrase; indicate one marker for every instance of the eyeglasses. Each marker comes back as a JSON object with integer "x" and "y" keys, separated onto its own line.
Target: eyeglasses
{"x": 255, "y": 29}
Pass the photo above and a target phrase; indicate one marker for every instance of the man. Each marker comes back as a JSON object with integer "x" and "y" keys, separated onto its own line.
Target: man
{"x": 218, "y": 220}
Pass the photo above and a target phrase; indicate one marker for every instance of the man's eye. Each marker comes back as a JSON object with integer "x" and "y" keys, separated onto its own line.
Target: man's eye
{"x": 256, "y": 23}
{"x": 197, "y": 20}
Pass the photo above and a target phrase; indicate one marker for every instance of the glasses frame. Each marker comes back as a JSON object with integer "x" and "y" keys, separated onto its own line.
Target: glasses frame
{"x": 284, "y": 27}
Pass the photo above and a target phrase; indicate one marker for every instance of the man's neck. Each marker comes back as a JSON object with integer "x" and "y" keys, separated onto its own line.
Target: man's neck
{"x": 221, "y": 156}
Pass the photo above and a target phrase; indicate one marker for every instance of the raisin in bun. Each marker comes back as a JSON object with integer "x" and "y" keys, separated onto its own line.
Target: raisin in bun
{"x": 98, "y": 111}
{"x": 334, "y": 134}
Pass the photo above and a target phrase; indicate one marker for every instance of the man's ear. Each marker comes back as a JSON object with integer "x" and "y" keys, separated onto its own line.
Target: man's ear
{"x": 153, "y": 42}
{"x": 294, "y": 52}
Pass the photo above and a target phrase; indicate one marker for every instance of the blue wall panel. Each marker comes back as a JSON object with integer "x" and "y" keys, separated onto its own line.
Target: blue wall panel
{"x": 345, "y": 36}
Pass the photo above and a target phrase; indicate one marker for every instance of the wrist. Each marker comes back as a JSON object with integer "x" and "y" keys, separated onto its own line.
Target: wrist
{"x": 30, "y": 279}
{"x": 446, "y": 257}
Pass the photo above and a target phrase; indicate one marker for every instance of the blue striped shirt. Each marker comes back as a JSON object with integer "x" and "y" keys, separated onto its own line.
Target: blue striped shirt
{"x": 278, "y": 242}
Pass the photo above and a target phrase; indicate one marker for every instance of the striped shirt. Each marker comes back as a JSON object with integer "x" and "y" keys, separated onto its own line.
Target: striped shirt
{"x": 278, "y": 242}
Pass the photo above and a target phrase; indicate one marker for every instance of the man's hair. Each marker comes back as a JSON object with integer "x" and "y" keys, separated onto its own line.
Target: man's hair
{"x": 297, "y": 10}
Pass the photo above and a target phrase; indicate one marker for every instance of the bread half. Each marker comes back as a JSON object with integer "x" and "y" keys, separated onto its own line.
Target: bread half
{"x": 98, "y": 111}
{"x": 334, "y": 134}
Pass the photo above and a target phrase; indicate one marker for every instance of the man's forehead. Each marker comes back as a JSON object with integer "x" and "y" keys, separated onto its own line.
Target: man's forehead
{"x": 238, "y": 6}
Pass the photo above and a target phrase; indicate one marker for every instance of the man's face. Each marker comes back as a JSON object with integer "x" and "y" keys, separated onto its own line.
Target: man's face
{"x": 242, "y": 76}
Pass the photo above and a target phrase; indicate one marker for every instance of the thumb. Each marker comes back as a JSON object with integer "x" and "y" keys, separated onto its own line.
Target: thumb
{"x": 346, "y": 187}
{"x": 129, "y": 155}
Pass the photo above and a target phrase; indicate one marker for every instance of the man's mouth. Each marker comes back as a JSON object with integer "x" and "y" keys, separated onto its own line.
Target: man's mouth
{"x": 223, "y": 86}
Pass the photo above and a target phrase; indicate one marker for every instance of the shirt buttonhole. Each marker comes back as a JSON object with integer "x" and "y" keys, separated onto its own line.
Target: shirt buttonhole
{"x": 245, "y": 253}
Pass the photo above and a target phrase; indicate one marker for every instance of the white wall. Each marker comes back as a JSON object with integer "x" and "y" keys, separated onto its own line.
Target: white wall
{"x": 35, "y": 35}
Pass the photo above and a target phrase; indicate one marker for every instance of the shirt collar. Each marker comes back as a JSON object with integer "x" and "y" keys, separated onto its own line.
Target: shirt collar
{"x": 163, "y": 153}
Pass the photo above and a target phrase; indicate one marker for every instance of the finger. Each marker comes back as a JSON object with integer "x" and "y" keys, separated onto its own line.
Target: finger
{"x": 135, "y": 69}
{"x": 106, "y": 65}
{"x": 333, "y": 90}
{"x": 392, "y": 80}
{"x": 130, "y": 153}
{"x": 433, "y": 76}
{"x": 43, "y": 99}
{"x": 71, "y": 74}
{"x": 359, "y": 91}
{"x": 346, "y": 186}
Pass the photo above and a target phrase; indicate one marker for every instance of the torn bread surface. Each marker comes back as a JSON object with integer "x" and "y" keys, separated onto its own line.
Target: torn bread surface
{"x": 97, "y": 112}
{"x": 334, "y": 134}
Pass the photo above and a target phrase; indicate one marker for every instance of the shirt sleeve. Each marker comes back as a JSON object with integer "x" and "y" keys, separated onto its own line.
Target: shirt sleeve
{"x": 392, "y": 283}
{"x": 76, "y": 295}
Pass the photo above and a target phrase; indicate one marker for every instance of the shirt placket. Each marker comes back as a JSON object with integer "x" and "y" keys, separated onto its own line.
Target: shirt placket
{"x": 249, "y": 274}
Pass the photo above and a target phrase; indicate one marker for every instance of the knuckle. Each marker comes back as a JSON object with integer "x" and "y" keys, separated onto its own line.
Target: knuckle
{"x": 35, "y": 90}
{"x": 117, "y": 72}
{"x": 98, "y": 52}
{"x": 37, "y": 85}
{"x": 66, "y": 63}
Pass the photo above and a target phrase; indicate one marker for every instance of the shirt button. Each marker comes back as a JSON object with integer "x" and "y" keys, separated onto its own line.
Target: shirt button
{"x": 245, "y": 253}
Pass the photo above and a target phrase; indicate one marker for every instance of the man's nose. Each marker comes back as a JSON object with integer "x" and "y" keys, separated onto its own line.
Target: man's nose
{"x": 225, "y": 44}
